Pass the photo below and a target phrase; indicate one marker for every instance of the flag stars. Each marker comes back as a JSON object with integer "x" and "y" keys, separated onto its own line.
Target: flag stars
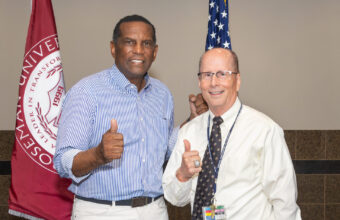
{"x": 218, "y": 23}
{"x": 220, "y": 26}
{"x": 226, "y": 44}
{"x": 213, "y": 35}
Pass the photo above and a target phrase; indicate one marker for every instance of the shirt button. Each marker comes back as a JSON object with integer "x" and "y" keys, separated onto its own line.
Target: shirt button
{"x": 141, "y": 119}
{"x": 143, "y": 160}
{"x": 142, "y": 139}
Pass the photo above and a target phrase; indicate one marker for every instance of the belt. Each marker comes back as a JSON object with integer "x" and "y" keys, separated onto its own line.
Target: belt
{"x": 134, "y": 202}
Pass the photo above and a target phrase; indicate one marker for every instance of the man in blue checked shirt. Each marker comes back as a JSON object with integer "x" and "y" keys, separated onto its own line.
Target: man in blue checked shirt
{"x": 115, "y": 132}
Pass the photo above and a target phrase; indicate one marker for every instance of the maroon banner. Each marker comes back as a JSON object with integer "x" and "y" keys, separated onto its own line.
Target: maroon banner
{"x": 37, "y": 192}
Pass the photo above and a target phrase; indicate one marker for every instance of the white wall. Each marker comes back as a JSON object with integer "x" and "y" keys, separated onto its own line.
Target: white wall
{"x": 288, "y": 51}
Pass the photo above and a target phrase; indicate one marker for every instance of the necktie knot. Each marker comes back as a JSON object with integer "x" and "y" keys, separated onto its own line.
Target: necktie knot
{"x": 217, "y": 120}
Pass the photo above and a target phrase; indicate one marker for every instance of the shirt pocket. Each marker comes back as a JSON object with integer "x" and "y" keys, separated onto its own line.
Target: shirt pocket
{"x": 159, "y": 133}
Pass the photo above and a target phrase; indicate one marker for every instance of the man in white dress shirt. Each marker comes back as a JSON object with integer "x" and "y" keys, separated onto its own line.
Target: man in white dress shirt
{"x": 255, "y": 178}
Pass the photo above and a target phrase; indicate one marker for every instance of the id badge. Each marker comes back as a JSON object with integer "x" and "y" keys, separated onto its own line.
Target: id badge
{"x": 214, "y": 212}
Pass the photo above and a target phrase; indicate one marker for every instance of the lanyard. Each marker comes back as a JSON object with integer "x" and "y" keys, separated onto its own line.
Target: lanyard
{"x": 216, "y": 169}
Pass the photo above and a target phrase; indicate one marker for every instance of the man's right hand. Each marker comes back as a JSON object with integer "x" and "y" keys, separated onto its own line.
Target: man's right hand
{"x": 111, "y": 147}
{"x": 197, "y": 105}
{"x": 187, "y": 168}
{"x": 112, "y": 144}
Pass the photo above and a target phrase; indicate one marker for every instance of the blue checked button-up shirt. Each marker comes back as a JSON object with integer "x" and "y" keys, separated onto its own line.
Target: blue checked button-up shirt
{"x": 146, "y": 121}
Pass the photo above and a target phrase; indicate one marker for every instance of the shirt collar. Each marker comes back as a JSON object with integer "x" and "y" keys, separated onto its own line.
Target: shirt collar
{"x": 230, "y": 114}
{"x": 119, "y": 79}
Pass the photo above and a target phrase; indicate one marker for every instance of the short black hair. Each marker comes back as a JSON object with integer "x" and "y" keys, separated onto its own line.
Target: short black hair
{"x": 131, "y": 18}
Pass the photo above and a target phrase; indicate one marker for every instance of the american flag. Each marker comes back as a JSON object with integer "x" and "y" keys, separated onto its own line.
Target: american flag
{"x": 218, "y": 25}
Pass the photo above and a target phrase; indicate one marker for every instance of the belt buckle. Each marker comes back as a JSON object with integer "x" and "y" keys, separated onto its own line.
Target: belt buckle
{"x": 139, "y": 201}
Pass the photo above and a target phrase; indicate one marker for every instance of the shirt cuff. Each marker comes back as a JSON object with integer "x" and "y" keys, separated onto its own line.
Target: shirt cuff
{"x": 67, "y": 162}
{"x": 182, "y": 187}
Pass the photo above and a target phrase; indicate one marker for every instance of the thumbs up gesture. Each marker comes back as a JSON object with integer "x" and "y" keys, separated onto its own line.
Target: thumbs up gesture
{"x": 112, "y": 144}
{"x": 191, "y": 163}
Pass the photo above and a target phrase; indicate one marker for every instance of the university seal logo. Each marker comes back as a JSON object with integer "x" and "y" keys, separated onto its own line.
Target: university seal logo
{"x": 39, "y": 107}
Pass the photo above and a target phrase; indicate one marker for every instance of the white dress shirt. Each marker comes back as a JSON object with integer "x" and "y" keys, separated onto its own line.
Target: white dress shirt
{"x": 256, "y": 178}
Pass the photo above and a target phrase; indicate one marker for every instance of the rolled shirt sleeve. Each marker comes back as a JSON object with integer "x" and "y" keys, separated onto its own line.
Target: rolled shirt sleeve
{"x": 74, "y": 131}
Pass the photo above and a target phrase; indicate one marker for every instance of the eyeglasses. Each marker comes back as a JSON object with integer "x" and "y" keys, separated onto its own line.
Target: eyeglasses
{"x": 221, "y": 75}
